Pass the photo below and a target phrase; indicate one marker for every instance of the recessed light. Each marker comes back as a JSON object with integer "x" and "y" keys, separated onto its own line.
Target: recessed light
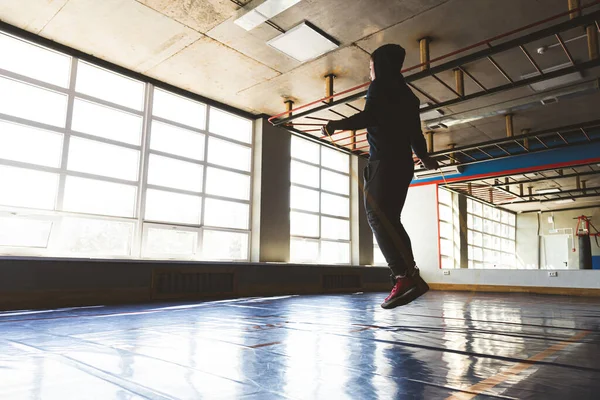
{"x": 263, "y": 12}
{"x": 564, "y": 201}
{"x": 546, "y": 191}
{"x": 303, "y": 43}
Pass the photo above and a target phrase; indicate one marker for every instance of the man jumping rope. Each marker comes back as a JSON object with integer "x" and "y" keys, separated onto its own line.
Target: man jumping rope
{"x": 391, "y": 117}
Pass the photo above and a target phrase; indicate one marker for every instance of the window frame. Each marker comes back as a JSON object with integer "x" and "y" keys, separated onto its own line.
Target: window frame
{"x": 141, "y": 183}
{"x": 320, "y": 239}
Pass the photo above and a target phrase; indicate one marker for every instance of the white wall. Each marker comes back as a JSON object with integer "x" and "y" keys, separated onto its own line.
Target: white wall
{"x": 420, "y": 218}
{"x": 527, "y": 237}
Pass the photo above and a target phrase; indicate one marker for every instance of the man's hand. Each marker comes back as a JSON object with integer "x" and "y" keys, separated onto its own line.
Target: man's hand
{"x": 430, "y": 163}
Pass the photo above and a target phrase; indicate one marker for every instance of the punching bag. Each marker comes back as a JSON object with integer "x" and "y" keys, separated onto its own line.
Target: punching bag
{"x": 585, "y": 252}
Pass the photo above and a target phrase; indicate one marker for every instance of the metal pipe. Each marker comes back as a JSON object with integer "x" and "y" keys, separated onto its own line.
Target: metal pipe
{"x": 459, "y": 79}
{"x": 578, "y": 182}
{"x": 509, "y": 125}
{"x": 429, "y": 139}
{"x": 574, "y": 6}
{"x": 583, "y": 187}
{"x": 424, "y": 53}
{"x": 329, "y": 87}
{"x": 289, "y": 104}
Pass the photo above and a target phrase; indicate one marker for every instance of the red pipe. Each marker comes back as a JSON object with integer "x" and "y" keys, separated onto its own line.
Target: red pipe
{"x": 444, "y": 56}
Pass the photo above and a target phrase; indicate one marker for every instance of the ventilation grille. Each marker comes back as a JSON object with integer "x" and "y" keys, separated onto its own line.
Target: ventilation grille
{"x": 169, "y": 284}
{"x": 341, "y": 282}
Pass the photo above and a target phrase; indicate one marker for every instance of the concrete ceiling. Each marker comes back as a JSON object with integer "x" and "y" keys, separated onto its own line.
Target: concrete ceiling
{"x": 194, "y": 44}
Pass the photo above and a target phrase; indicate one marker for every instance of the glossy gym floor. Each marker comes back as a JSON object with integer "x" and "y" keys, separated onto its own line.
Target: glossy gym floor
{"x": 443, "y": 346}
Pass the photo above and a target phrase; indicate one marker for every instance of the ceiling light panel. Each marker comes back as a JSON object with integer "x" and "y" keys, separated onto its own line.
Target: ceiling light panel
{"x": 263, "y": 13}
{"x": 303, "y": 43}
{"x": 547, "y": 191}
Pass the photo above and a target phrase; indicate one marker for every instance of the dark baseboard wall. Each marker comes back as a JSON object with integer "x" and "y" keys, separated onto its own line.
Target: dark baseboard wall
{"x": 32, "y": 283}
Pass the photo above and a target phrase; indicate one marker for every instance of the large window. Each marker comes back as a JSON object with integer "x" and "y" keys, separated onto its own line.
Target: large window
{"x": 490, "y": 233}
{"x": 319, "y": 204}
{"x": 96, "y": 164}
{"x": 491, "y": 236}
{"x": 449, "y": 225}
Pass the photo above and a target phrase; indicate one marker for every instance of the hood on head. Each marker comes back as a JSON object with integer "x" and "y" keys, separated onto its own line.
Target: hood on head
{"x": 387, "y": 61}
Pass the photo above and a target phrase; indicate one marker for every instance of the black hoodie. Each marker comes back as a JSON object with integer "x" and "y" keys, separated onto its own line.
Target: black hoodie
{"x": 391, "y": 114}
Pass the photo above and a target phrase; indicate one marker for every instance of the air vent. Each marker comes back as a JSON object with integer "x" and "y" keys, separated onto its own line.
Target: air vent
{"x": 549, "y": 100}
{"x": 186, "y": 283}
{"x": 341, "y": 281}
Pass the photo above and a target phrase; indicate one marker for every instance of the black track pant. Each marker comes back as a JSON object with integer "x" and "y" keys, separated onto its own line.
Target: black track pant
{"x": 386, "y": 185}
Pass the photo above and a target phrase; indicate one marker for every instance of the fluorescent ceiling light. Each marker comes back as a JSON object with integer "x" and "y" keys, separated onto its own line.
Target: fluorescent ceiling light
{"x": 263, "y": 12}
{"x": 554, "y": 82}
{"x": 431, "y": 114}
{"x": 429, "y": 173}
{"x": 546, "y": 191}
{"x": 564, "y": 201}
{"x": 303, "y": 43}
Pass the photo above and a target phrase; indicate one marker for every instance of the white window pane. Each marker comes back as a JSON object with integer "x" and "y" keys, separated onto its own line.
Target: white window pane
{"x": 170, "y": 242}
{"x": 335, "y": 253}
{"x": 303, "y": 250}
{"x": 34, "y": 61}
{"x": 227, "y": 184}
{"x": 168, "y": 172}
{"x": 335, "y": 205}
{"x": 302, "y": 224}
{"x": 304, "y": 174}
{"x": 444, "y": 196}
{"x": 477, "y": 239}
{"x": 488, "y": 226}
{"x": 304, "y": 199}
{"x": 170, "y": 139}
{"x": 447, "y": 262}
{"x": 25, "y": 188}
{"x": 98, "y": 197}
{"x": 336, "y": 183}
{"x": 306, "y": 150}
{"x": 96, "y": 237}
{"x": 172, "y": 207}
{"x": 106, "y": 85}
{"x": 23, "y": 232}
{"x": 230, "y": 126}
{"x": 378, "y": 258}
{"x": 335, "y": 159}
{"x": 106, "y": 122}
{"x": 445, "y": 230}
{"x": 226, "y": 214}
{"x": 179, "y": 109}
{"x": 477, "y": 208}
{"x": 488, "y": 212}
{"x": 511, "y": 219}
{"x": 33, "y": 103}
{"x": 477, "y": 224}
{"x": 103, "y": 159}
{"x": 504, "y": 215}
{"x": 30, "y": 145}
{"x": 446, "y": 247}
{"x": 225, "y": 245}
{"x": 477, "y": 254}
{"x": 229, "y": 154}
{"x": 333, "y": 228}
{"x": 445, "y": 213}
